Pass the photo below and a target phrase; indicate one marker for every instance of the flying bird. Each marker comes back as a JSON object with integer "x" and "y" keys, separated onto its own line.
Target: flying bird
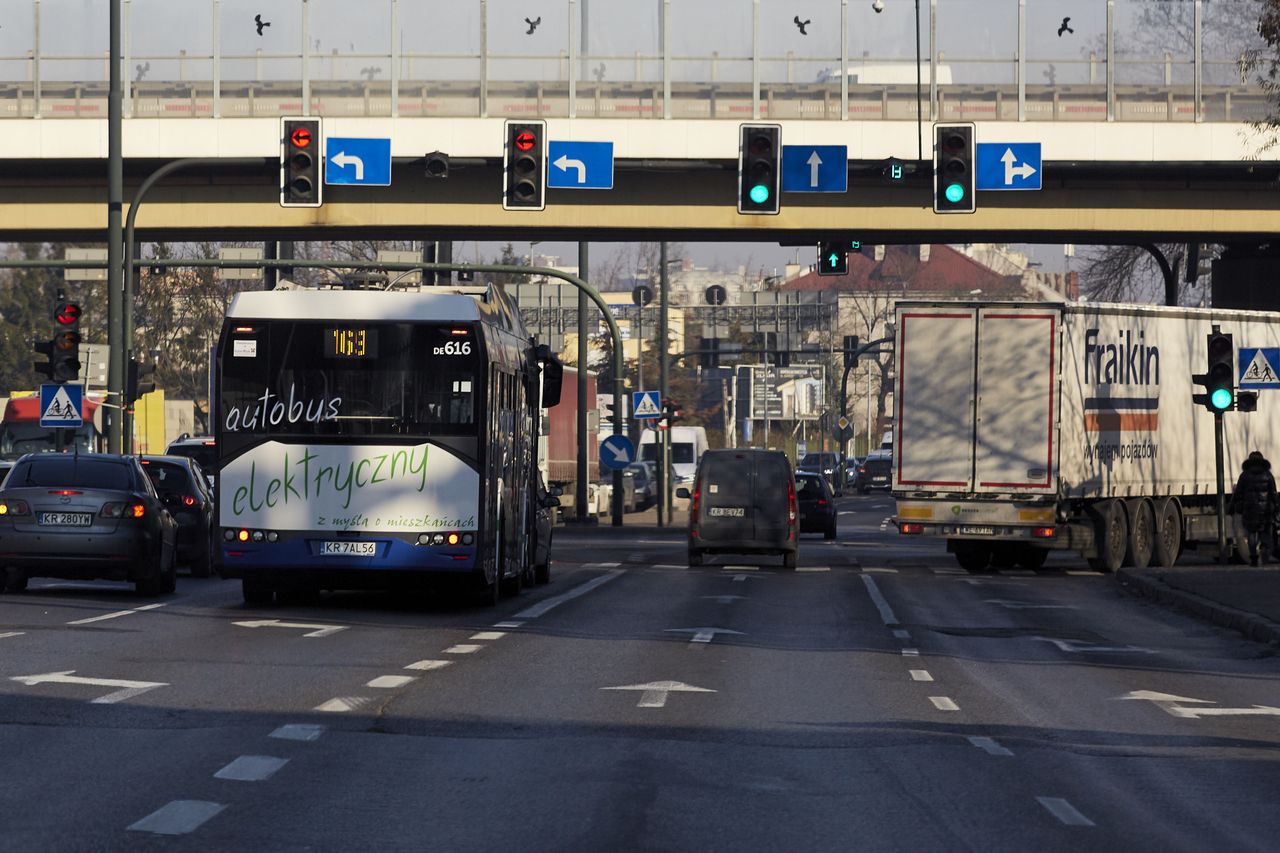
{"x": 257, "y": 20}
{"x": 801, "y": 24}
{"x": 533, "y": 25}
{"x": 1064, "y": 28}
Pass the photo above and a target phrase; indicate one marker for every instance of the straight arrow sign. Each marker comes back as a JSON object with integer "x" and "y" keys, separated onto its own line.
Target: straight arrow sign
{"x": 315, "y": 630}
{"x": 654, "y": 694}
{"x": 1174, "y": 706}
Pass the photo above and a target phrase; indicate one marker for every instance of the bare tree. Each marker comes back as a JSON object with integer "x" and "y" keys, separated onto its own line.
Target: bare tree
{"x": 1130, "y": 273}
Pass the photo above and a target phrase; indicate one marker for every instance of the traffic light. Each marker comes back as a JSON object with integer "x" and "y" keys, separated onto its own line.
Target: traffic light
{"x": 45, "y": 367}
{"x": 670, "y": 413}
{"x": 437, "y": 165}
{"x": 953, "y": 168}
{"x": 64, "y": 356}
{"x": 850, "y": 350}
{"x": 300, "y": 182}
{"x": 1219, "y": 376}
{"x": 759, "y": 151}
{"x": 833, "y": 257}
{"x": 140, "y": 380}
{"x": 524, "y": 165}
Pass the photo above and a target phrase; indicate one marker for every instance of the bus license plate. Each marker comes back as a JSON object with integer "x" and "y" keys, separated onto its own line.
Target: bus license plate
{"x": 979, "y": 531}
{"x": 727, "y": 511}
{"x": 66, "y": 519}
{"x": 356, "y": 549}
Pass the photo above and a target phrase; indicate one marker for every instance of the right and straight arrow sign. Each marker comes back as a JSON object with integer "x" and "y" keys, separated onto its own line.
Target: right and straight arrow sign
{"x": 1008, "y": 166}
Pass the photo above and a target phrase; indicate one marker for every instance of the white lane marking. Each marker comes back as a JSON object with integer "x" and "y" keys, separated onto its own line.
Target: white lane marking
{"x": 12, "y": 634}
{"x": 1022, "y": 605}
{"x": 508, "y": 624}
{"x": 1064, "y": 811}
{"x": 802, "y": 569}
{"x": 724, "y": 599}
{"x": 739, "y": 578}
{"x": 428, "y": 665}
{"x": 989, "y": 746}
{"x": 1081, "y": 646}
{"x": 886, "y": 612}
{"x": 654, "y": 694}
{"x": 920, "y": 675}
{"x": 942, "y": 703}
{"x": 316, "y": 630}
{"x": 544, "y": 606}
{"x": 702, "y": 635}
{"x": 901, "y": 634}
{"x": 115, "y": 615}
{"x": 342, "y": 704}
{"x": 1084, "y": 573}
{"x": 251, "y": 768}
{"x": 298, "y": 731}
{"x": 488, "y": 635}
{"x": 391, "y": 681}
{"x": 911, "y": 653}
{"x": 178, "y": 817}
{"x": 600, "y": 565}
{"x": 121, "y": 695}
{"x": 668, "y": 566}
{"x": 463, "y": 649}
{"x": 1169, "y": 703}
{"x": 740, "y": 568}
{"x": 884, "y": 571}
{"x": 940, "y": 570}
{"x": 131, "y": 688}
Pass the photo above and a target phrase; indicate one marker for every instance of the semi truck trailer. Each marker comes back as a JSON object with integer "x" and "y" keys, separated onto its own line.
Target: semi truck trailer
{"x": 1022, "y": 429}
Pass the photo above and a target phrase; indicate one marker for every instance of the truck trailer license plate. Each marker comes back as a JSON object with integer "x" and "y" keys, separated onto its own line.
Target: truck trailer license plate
{"x": 727, "y": 511}
{"x": 979, "y": 531}
{"x": 356, "y": 549}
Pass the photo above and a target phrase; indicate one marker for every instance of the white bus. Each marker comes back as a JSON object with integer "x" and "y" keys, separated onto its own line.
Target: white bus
{"x": 380, "y": 439}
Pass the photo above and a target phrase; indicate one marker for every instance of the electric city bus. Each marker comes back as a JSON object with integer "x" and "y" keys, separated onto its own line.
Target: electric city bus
{"x": 378, "y": 439}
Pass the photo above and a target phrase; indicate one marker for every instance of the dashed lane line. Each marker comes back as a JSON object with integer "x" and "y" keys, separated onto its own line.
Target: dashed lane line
{"x": 298, "y": 731}
{"x": 11, "y": 634}
{"x": 803, "y": 569}
{"x": 115, "y": 615}
{"x": 880, "y": 571}
{"x": 251, "y": 768}
{"x": 1064, "y": 811}
{"x": 390, "y": 682}
{"x": 740, "y": 568}
{"x": 989, "y": 746}
{"x": 342, "y": 704}
{"x": 508, "y": 624}
{"x": 543, "y": 607}
{"x": 178, "y": 817}
{"x": 911, "y": 653}
{"x": 463, "y": 649}
{"x": 488, "y": 635}
{"x": 429, "y": 665}
{"x": 920, "y": 675}
{"x": 943, "y": 703}
{"x": 886, "y": 612}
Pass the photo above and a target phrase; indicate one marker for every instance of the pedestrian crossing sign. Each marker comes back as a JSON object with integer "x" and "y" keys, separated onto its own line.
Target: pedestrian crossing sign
{"x": 645, "y": 404}
{"x": 61, "y": 405}
{"x": 1259, "y": 367}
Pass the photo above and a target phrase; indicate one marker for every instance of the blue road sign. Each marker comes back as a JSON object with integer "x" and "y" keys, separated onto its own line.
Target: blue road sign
{"x": 580, "y": 165}
{"x": 1259, "y": 367}
{"x": 645, "y": 404}
{"x": 62, "y": 406}
{"x": 815, "y": 168}
{"x": 617, "y": 452}
{"x": 1008, "y": 166}
{"x": 359, "y": 162}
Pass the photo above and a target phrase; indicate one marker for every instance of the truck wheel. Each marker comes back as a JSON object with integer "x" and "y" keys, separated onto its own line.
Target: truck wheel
{"x": 1142, "y": 534}
{"x": 1005, "y": 555}
{"x": 1111, "y": 532}
{"x": 1168, "y": 540}
{"x": 1030, "y": 557}
{"x": 972, "y": 556}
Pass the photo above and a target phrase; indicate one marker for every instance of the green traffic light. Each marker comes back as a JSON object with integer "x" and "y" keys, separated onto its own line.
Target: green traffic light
{"x": 759, "y": 194}
{"x": 954, "y": 193}
{"x": 1220, "y": 399}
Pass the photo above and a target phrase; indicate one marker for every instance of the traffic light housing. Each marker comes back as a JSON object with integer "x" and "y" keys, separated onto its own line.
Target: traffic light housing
{"x": 759, "y": 157}
{"x": 524, "y": 165}
{"x": 1219, "y": 378}
{"x": 850, "y": 350}
{"x": 45, "y": 368}
{"x": 301, "y": 183}
{"x": 140, "y": 379}
{"x": 64, "y": 349}
{"x": 953, "y": 168}
{"x": 833, "y": 257}
{"x": 670, "y": 413}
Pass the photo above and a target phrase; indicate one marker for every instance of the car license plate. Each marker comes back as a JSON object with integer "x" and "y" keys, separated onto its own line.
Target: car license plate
{"x": 979, "y": 531}
{"x": 356, "y": 549}
{"x": 66, "y": 519}
{"x": 727, "y": 511}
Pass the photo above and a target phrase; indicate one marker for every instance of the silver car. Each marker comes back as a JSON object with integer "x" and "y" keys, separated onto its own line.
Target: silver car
{"x": 85, "y": 516}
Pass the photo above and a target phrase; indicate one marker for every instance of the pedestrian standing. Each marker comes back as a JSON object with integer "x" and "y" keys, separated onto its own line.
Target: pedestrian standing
{"x": 1255, "y": 499}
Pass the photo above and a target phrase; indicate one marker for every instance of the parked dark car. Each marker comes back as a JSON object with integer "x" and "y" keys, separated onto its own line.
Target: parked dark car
{"x": 817, "y": 504}
{"x": 545, "y": 504}
{"x": 85, "y": 516}
{"x": 876, "y": 473}
{"x": 183, "y": 488}
{"x": 826, "y": 464}
{"x": 742, "y": 502}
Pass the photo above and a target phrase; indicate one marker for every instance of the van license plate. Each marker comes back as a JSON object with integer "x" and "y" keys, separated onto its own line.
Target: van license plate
{"x": 358, "y": 549}
{"x": 979, "y": 531}
{"x": 727, "y": 511}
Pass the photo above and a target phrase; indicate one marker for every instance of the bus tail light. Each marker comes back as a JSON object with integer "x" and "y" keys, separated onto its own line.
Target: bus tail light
{"x": 1043, "y": 532}
{"x": 910, "y": 527}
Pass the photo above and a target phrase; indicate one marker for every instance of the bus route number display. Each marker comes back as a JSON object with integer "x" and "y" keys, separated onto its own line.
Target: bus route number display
{"x": 351, "y": 343}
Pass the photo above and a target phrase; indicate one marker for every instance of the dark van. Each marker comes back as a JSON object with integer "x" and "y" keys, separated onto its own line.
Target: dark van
{"x": 742, "y": 502}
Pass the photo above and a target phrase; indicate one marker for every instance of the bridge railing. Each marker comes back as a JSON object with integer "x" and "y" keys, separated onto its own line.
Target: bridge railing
{"x": 1125, "y": 60}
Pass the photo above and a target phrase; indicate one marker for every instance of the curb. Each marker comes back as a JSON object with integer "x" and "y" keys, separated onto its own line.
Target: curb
{"x": 1251, "y": 625}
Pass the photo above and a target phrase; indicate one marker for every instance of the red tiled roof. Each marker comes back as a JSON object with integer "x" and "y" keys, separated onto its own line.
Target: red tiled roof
{"x": 946, "y": 272}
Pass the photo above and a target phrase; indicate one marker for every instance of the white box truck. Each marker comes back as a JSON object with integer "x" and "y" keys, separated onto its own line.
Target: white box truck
{"x": 1024, "y": 428}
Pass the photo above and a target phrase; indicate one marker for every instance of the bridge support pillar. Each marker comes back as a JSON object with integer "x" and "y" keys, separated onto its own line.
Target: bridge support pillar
{"x": 1245, "y": 277}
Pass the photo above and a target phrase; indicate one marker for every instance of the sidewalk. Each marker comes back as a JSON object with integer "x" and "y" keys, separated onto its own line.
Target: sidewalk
{"x": 1239, "y": 597}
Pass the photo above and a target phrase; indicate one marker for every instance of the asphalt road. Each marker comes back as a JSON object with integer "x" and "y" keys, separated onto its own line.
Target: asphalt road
{"x": 876, "y": 699}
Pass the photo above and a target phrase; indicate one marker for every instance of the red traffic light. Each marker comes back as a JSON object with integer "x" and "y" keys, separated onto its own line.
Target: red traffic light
{"x": 301, "y": 137}
{"x": 524, "y": 141}
{"x": 67, "y": 314}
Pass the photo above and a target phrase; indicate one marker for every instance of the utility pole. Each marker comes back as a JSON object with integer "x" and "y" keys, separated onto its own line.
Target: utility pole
{"x": 115, "y": 240}
{"x": 664, "y": 470}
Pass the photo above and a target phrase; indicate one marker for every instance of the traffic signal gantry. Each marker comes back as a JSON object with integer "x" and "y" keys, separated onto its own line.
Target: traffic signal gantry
{"x": 759, "y": 172}
{"x": 954, "y": 160}
{"x": 524, "y": 165}
{"x": 301, "y": 184}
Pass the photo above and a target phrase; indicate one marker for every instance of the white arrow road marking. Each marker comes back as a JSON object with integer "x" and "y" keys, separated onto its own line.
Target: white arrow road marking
{"x": 1064, "y": 811}
{"x": 298, "y": 731}
{"x": 342, "y": 159}
{"x": 564, "y": 164}
{"x": 131, "y": 688}
{"x": 989, "y": 746}
{"x": 813, "y": 163}
{"x": 1078, "y": 646}
{"x": 654, "y": 694}
{"x": 251, "y": 768}
{"x": 1172, "y": 705}
{"x": 702, "y": 635}
{"x": 1011, "y": 171}
{"x": 886, "y": 612}
{"x": 178, "y": 817}
{"x": 724, "y": 599}
{"x": 315, "y": 630}
{"x": 1022, "y": 605}
{"x": 115, "y": 615}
